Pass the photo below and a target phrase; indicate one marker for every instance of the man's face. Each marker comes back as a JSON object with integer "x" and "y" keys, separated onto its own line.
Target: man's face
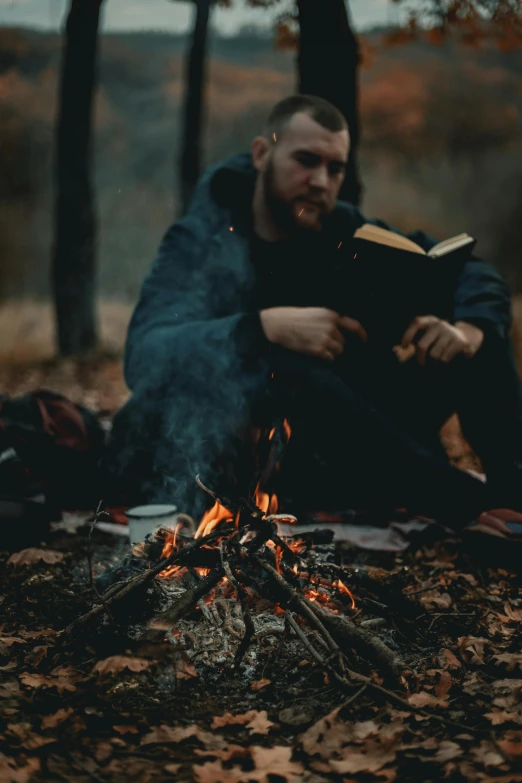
{"x": 303, "y": 173}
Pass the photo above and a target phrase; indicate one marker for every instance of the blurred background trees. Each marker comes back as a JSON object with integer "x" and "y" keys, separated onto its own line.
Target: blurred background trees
{"x": 74, "y": 247}
{"x": 440, "y": 149}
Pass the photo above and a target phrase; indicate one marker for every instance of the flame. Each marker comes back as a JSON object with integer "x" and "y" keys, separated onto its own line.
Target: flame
{"x": 170, "y": 571}
{"x": 268, "y": 504}
{"x": 287, "y": 429}
{"x": 212, "y": 518}
{"x": 296, "y": 546}
{"x": 343, "y": 589}
{"x": 272, "y": 433}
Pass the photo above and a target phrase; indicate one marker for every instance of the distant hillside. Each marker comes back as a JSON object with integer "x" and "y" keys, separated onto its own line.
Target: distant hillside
{"x": 441, "y": 145}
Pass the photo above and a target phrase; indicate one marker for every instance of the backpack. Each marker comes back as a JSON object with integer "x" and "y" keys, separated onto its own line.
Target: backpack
{"x": 52, "y": 447}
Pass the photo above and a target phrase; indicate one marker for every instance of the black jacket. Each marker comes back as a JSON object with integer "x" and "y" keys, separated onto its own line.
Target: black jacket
{"x": 196, "y": 355}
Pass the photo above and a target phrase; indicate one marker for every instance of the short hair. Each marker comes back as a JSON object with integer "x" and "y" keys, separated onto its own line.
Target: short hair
{"x": 320, "y": 110}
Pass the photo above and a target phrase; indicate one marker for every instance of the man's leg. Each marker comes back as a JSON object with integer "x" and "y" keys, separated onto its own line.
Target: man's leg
{"x": 488, "y": 400}
{"x": 368, "y": 448}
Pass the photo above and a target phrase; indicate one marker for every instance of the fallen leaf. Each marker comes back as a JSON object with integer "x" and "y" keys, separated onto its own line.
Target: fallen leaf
{"x": 257, "y": 685}
{"x": 511, "y": 659}
{"x": 471, "y": 649}
{"x": 448, "y": 659}
{"x": 10, "y": 773}
{"x": 37, "y": 654}
{"x": 256, "y": 722}
{"x": 37, "y": 634}
{"x": 440, "y": 600}
{"x": 164, "y": 734}
{"x": 511, "y": 744}
{"x": 424, "y": 699}
{"x": 498, "y": 717}
{"x": 126, "y": 729}
{"x": 214, "y": 772}
{"x": 508, "y": 692}
{"x": 9, "y": 640}
{"x": 54, "y": 720}
{"x": 472, "y": 684}
{"x": 443, "y": 686}
{"x": 32, "y": 555}
{"x": 372, "y": 759}
{"x": 326, "y": 737}
{"x": 227, "y": 753}
{"x": 273, "y": 761}
{"x": 44, "y": 681}
{"x": 117, "y": 663}
{"x": 172, "y": 768}
{"x": 487, "y": 755}
{"x": 268, "y": 762}
{"x": 447, "y": 751}
{"x": 259, "y": 723}
{"x": 515, "y": 615}
{"x": 28, "y": 739}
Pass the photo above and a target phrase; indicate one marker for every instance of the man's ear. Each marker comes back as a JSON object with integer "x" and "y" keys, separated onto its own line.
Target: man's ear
{"x": 260, "y": 152}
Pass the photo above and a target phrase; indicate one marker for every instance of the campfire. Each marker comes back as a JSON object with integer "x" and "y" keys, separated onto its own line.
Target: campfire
{"x": 236, "y": 578}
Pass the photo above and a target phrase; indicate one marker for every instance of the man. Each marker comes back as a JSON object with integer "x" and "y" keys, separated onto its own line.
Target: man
{"x": 243, "y": 317}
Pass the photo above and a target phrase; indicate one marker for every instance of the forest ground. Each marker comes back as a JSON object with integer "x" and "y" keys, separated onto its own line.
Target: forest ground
{"x": 120, "y": 706}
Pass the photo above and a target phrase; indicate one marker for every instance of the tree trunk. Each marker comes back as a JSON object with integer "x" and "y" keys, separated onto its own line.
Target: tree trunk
{"x": 75, "y": 223}
{"x": 328, "y": 63}
{"x": 190, "y": 161}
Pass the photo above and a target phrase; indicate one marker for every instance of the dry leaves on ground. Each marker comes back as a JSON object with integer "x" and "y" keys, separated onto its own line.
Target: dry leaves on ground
{"x": 63, "y": 679}
{"x": 256, "y": 722}
{"x": 117, "y": 663}
{"x": 54, "y": 720}
{"x": 19, "y": 770}
{"x": 32, "y": 555}
{"x": 276, "y": 761}
{"x": 162, "y": 735}
{"x": 26, "y": 737}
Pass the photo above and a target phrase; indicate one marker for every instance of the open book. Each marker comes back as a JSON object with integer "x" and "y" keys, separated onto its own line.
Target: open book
{"x": 386, "y": 279}
{"x": 382, "y": 236}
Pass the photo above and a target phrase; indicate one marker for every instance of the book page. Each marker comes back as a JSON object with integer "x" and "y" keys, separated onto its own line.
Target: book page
{"x": 384, "y": 237}
{"x": 448, "y": 245}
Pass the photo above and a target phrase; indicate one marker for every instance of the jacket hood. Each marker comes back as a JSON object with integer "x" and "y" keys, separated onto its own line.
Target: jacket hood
{"x": 233, "y": 179}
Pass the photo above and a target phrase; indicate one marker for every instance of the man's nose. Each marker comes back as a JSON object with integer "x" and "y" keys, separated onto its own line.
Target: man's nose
{"x": 319, "y": 178}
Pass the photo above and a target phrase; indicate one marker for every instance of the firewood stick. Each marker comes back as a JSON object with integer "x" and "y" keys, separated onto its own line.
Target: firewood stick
{"x": 338, "y": 631}
{"x": 190, "y": 597}
{"x": 119, "y": 591}
{"x": 323, "y": 662}
{"x": 366, "y": 682}
{"x": 387, "y": 592}
{"x": 291, "y": 597}
{"x": 365, "y": 643}
{"x": 250, "y": 629}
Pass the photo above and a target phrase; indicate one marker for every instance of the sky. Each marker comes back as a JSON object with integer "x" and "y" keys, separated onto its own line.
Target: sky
{"x": 172, "y": 16}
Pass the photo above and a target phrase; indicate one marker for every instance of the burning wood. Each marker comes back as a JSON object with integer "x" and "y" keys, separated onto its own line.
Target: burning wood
{"x": 222, "y": 575}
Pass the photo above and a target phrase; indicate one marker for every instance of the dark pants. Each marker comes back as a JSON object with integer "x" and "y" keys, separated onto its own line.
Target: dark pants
{"x": 366, "y": 430}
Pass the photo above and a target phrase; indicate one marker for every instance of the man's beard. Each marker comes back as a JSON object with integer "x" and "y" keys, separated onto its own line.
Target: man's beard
{"x": 282, "y": 211}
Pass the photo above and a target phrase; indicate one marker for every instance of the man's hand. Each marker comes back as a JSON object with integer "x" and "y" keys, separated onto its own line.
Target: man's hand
{"x": 315, "y": 331}
{"x": 441, "y": 340}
